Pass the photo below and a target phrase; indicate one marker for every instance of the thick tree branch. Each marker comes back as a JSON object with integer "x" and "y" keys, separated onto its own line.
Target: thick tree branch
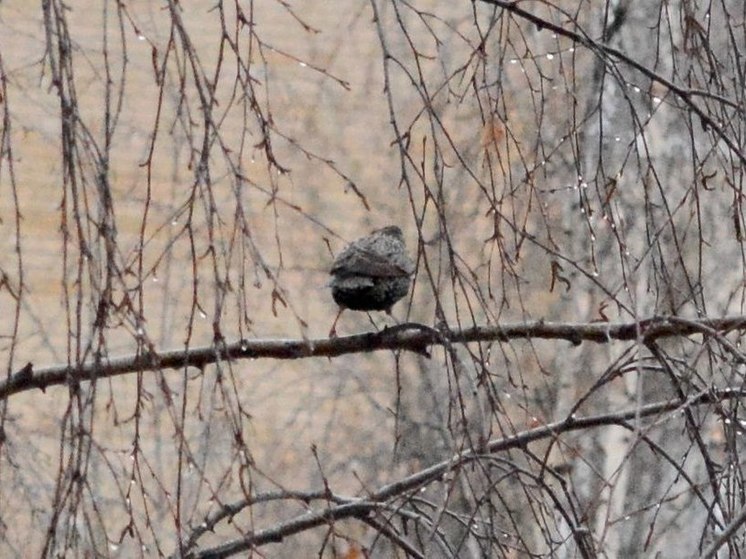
{"x": 408, "y": 336}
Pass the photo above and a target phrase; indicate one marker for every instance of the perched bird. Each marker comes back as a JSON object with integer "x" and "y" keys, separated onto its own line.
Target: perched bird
{"x": 372, "y": 273}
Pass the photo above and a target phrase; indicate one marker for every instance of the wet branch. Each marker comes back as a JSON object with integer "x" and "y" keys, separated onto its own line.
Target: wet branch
{"x": 408, "y": 337}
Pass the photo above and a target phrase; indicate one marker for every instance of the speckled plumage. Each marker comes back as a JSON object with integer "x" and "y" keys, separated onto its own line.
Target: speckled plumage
{"x": 372, "y": 273}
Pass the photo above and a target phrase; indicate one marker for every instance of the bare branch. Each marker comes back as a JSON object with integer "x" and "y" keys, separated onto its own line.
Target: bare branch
{"x": 408, "y": 337}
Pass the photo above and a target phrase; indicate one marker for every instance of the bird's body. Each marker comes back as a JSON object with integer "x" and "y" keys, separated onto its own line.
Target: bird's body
{"x": 359, "y": 293}
{"x": 372, "y": 273}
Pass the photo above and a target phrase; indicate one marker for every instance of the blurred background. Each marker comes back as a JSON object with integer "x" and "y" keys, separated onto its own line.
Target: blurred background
{"x": 175, "y": 175}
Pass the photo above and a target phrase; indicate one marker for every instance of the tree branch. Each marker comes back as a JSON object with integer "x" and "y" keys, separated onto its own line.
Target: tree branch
{"x": 682, "y": 93}
{"x": 347, "y": 507}
{"x": 408, "y": 337}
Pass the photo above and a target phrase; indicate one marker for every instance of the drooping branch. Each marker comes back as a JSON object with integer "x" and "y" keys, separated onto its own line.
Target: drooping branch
{"x": 408, "y": 337}
{"x": 339, "y": 507}
{"x": 686, "y": 95}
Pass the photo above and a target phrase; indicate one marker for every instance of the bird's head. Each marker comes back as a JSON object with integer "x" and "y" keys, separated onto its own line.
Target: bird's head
{"x": 390, "y": 230}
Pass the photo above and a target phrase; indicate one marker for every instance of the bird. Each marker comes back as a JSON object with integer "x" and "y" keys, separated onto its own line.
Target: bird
{"x": 372, "y": 273}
